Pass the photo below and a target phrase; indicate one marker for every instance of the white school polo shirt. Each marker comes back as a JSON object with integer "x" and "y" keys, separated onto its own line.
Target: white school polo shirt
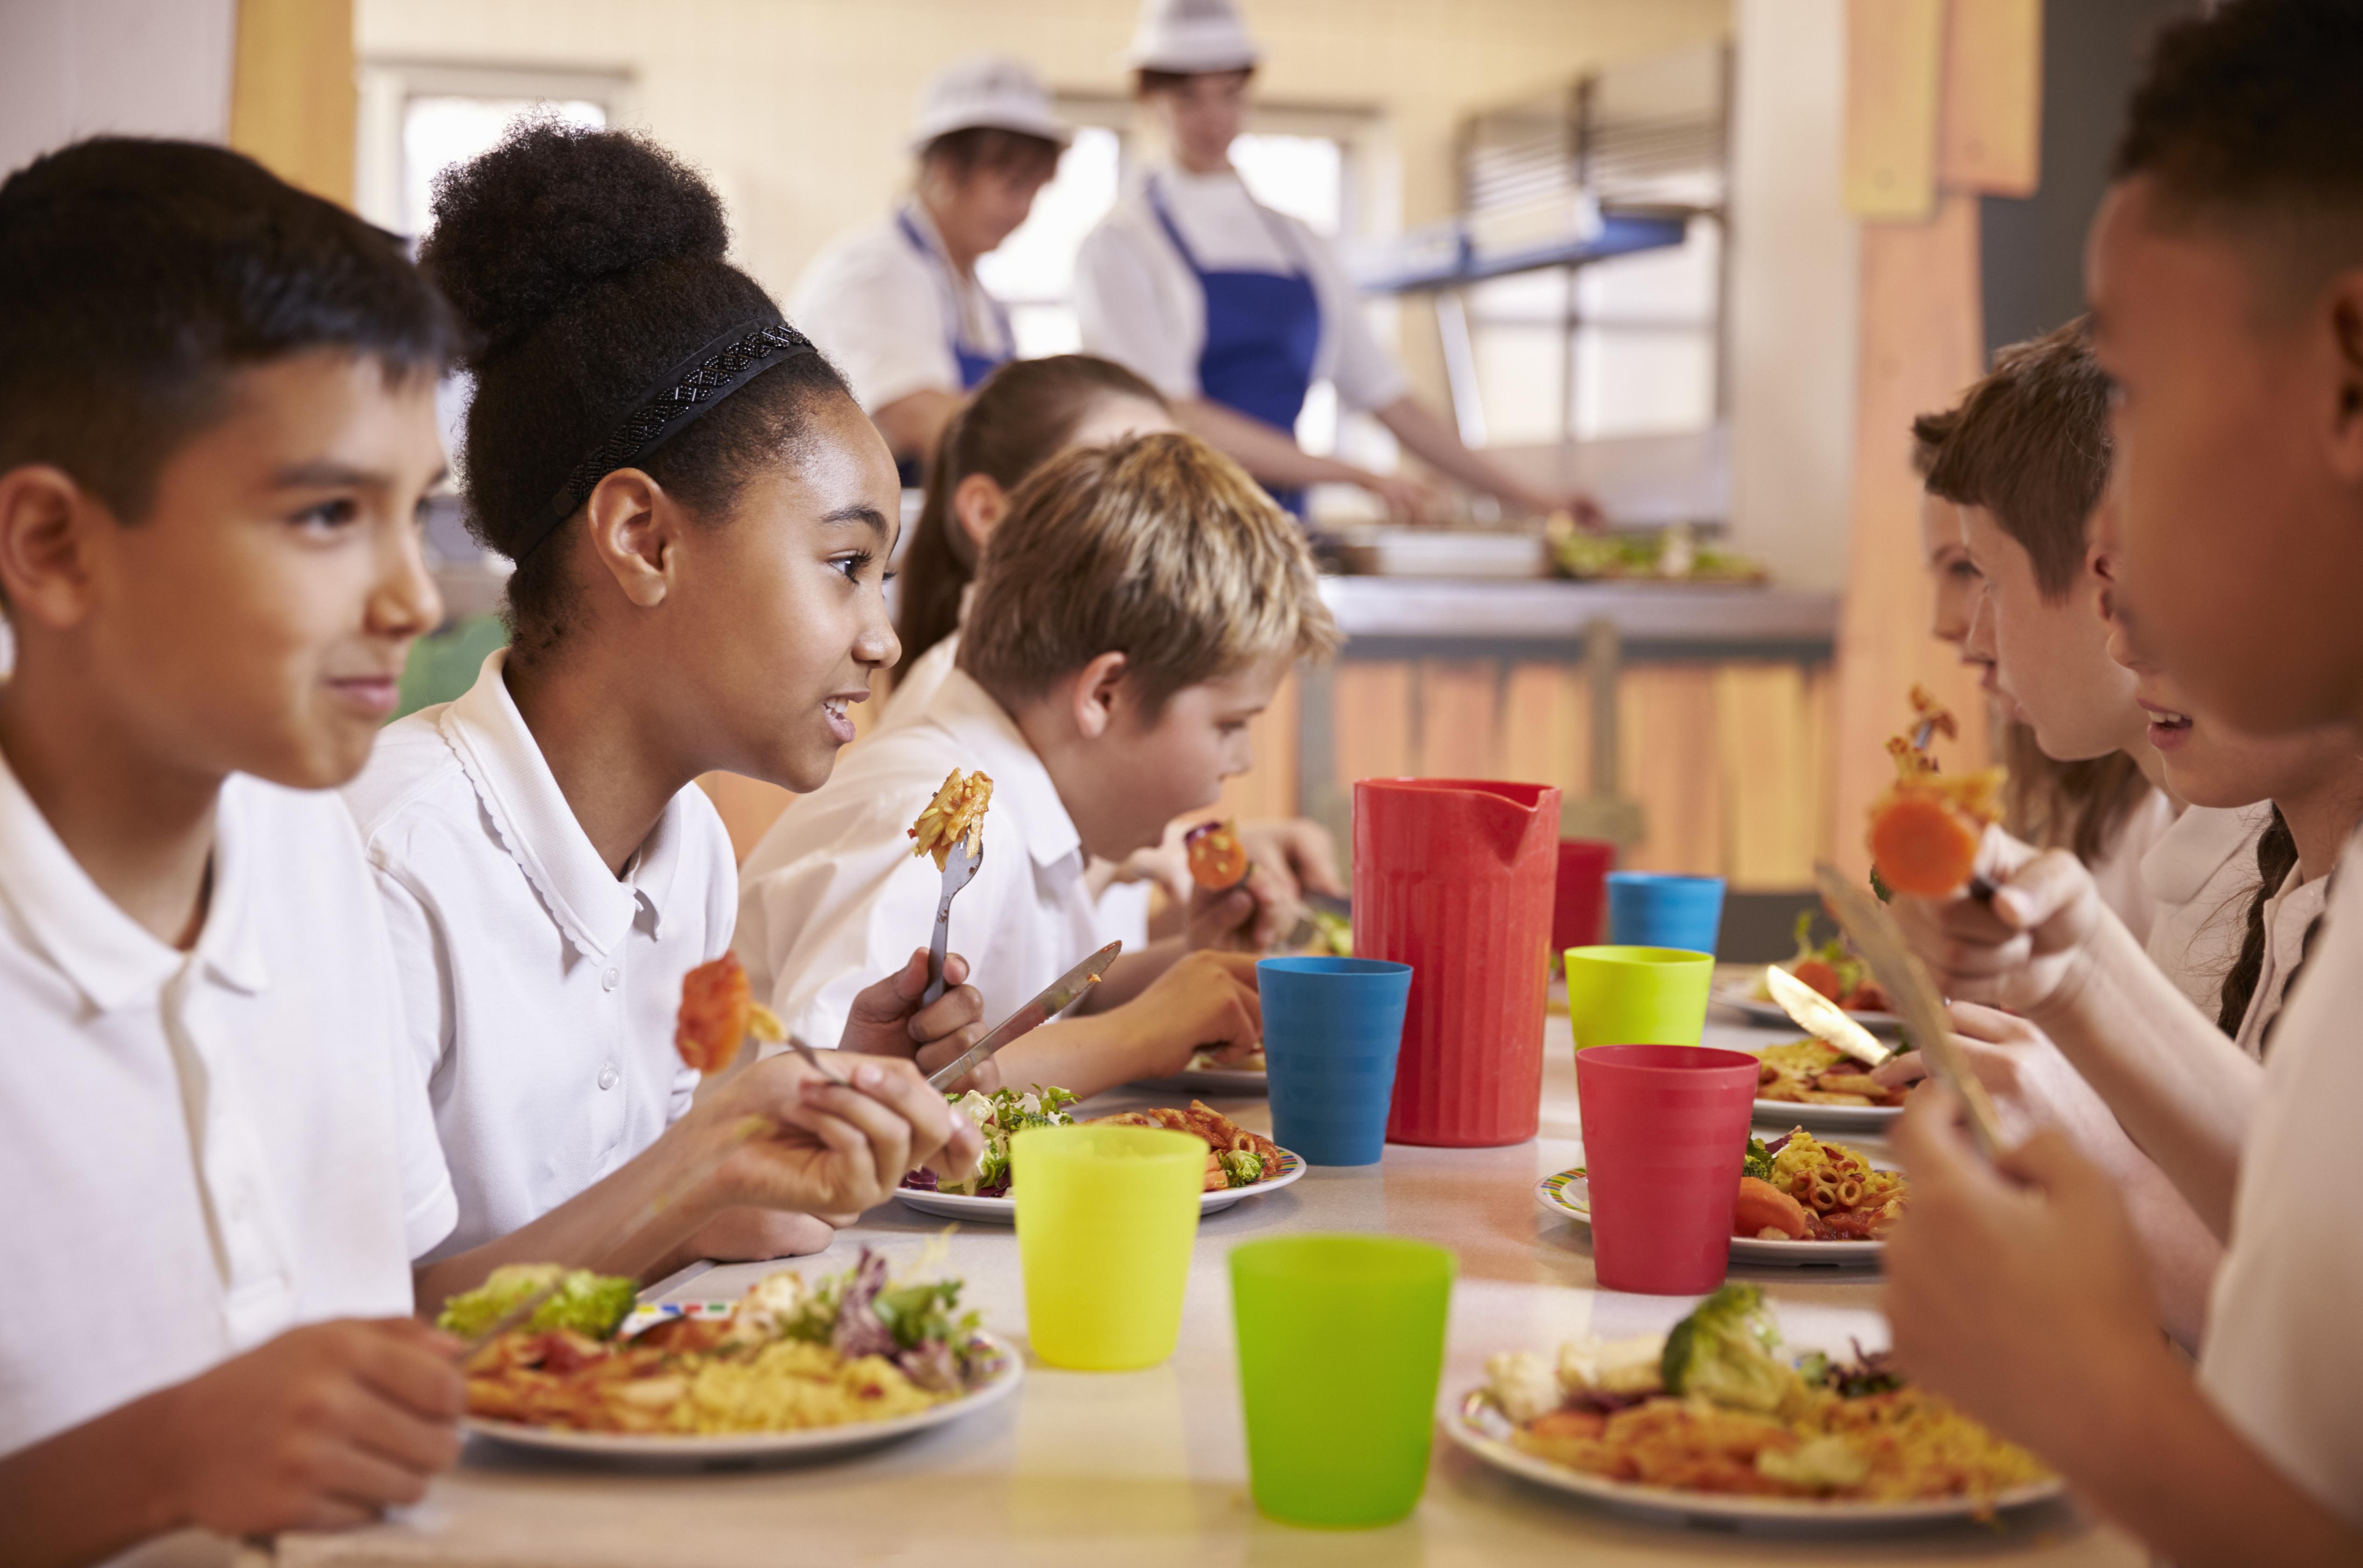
{"x": 2283, "y": 1360}
{"x": 884, "y": 314}
{"x": 199, "y": 1150}
{"x": 539, "y": 989}
{"x": 1140, "y": 306}
{"x": 833, "y": 900}
{"x": 2199, "y": 875}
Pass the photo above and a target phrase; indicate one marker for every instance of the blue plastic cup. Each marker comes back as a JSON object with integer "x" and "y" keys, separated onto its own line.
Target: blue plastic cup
{"x": 1331, "y": 1030}
{"x": 1653, "y": 909}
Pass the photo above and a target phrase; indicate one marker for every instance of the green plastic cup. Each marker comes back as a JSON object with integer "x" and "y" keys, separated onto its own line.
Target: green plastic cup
{"x": 1637, "y": 996}
{"x": 1341, "y": 1345}
{"x": 1106, "y": 1217}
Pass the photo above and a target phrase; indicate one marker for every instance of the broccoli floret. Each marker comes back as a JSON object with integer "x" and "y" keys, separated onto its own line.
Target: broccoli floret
{"x": 1723, "y": 1352}
{"x": 1760, "y": 1161}
{"x": 1885, "y": 894}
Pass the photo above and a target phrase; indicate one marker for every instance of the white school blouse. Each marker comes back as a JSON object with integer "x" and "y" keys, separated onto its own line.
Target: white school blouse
{"x": 1140, "y": 306}
{"x": 2199, "y": 875}
{"x": 2283, "y": 1361}
{"x": 881, "y": 311}
{"x": 833, "y": 900}
{"x": 199, "y": 1150}
{"x": 539, "y": 989}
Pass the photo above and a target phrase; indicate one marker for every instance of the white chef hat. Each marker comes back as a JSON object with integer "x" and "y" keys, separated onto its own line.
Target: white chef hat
{"x": 1187, "y": 36}
{"x": 987, "y": 90}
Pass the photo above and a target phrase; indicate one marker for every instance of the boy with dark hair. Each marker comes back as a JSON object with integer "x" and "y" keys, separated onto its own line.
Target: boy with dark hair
{"x": 2225, "y": 271}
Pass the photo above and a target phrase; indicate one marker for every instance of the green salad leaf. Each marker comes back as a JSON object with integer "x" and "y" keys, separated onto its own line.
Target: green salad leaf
{"x": 588, "y": 1303}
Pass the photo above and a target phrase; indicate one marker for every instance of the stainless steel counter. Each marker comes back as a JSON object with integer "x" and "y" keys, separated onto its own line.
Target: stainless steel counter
{"x": 1381, "y": 614}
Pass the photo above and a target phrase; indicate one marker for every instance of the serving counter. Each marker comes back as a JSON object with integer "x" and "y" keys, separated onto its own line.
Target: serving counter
{"x": 1148, "y": 1469}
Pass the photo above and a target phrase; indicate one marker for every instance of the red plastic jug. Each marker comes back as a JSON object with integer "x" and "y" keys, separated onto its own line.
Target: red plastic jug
{"x": 1453, "y": 877}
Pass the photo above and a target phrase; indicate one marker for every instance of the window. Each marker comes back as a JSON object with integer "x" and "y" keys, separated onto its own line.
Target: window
{"x": 418, "y": 119}
{"x": 1303, "y": 164}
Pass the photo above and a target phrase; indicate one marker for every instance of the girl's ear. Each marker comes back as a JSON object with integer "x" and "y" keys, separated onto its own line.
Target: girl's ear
{"x": 633, "y": 526}
{"x": 980, "y": 503}
{"x": 1097, "y": 690}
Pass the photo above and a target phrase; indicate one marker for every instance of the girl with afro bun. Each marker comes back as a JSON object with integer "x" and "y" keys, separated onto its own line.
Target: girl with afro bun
{"x": 700, "y": 518}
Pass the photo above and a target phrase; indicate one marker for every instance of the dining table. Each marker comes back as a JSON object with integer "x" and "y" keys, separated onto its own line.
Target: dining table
{"x": 1150, "y": 1469}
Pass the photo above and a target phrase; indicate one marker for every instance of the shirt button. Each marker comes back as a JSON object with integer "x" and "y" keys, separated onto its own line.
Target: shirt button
{"x": 608, "y": 1076}
{"x": 612, "y": 979}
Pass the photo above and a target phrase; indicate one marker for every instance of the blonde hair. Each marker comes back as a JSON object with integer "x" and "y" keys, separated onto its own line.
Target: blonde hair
{"x": 1159, "y": 548}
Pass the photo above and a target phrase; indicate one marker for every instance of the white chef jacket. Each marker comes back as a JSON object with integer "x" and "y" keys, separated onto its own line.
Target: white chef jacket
{"x": 2199, "y": 875}
{"x": 2290, "y": 913}
{"x": 539, "y": 989}
{"x": 1141, "y": 307}
{"x": 2283, "y": 1362}
{"x": 2117, "y": 872}
{"x": 885, "y": 315}
{"x": 199, "y": 1150}
{"x": 833, "y": 900}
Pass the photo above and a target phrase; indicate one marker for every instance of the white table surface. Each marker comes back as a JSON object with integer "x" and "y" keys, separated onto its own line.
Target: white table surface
{"x": 1139, "y": 1470}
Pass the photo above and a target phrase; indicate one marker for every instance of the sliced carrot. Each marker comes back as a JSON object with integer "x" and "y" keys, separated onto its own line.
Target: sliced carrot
{"x": 1821, "y": 977}
{"x": 1922, "y": 845}
{"x": 1217, "y": 858}
{"x": 1761, "y": 1207}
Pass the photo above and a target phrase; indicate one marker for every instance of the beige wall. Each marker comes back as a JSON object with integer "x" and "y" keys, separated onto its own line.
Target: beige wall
{"x": 799, "y": 107}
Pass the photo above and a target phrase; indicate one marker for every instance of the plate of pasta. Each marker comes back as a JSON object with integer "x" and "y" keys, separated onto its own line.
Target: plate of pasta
{"x": 1716, "y": 1422}
{"x": 1799, "y": 1201}
{"x": 1204, "y": 1075}
{"x": 1240, "y": 1163}
{"x": 787, "y": 1370}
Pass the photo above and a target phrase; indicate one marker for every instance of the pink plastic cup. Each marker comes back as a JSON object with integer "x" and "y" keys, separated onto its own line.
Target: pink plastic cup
{"x": 1665, "y": 1135}
{"x": 1580, "y": 897}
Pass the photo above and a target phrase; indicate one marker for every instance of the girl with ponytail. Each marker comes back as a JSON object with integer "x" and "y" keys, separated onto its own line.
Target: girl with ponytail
{"x": 700, "y": 518}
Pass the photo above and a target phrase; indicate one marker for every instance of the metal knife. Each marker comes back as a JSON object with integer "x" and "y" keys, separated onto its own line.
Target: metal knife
{"x": 1054, "y": 1001}
{"x": 1875, "y": 935}
{"x": 1824, "y": 1018}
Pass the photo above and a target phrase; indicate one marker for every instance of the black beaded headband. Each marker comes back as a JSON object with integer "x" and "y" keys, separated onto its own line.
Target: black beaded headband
{"x": 683, "y": 396}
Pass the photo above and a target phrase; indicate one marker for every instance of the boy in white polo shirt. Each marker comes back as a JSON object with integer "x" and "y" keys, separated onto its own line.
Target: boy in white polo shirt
{"x": 217, "y": 424}
{"x": 1138, "y": 606}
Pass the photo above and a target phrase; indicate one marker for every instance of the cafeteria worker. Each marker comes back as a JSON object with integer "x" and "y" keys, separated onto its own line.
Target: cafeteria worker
{"x": 897, "y": 305}
{"x": 1232, "y": 310}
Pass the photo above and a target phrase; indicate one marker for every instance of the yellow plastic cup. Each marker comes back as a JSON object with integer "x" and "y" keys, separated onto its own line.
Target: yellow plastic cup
{"x": 1106, "y": 1217}
{"x": 1637, "y": 996}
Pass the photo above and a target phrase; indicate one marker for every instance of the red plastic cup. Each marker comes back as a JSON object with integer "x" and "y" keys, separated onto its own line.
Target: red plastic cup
{"x": 1454, "y": 877}
{"x": 1581, "y": 895}
{"x": 1665, "y": 1136}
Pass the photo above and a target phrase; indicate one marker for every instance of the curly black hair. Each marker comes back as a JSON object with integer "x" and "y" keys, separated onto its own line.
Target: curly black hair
{"x": 586, "y": 263}
{"x": 140, "y": 274}
{"x": 2253, "y": 110}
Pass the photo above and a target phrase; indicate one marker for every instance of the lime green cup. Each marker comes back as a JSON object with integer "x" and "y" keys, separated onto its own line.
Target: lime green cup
{"x": 1341, "y": 1345}
{"x": 1637, "y": 996}
{"x": 1106, "y": 1217}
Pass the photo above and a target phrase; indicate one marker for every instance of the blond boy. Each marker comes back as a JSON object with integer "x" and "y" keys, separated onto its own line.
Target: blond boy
{"x": 1137, "y": 608}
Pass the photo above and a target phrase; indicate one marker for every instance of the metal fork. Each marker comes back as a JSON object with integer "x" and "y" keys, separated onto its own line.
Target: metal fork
{"x": 959, "y": 869}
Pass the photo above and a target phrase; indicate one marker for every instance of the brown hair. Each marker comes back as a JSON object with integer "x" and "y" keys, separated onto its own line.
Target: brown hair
{"x": 1021, "y": 416}
{"x": 1929, "y": 434}
{"x": 1159, "y": 547}
{"x": 994, "y": 150}
{"x": 2030, "y": 443}
{"x": 2074, "y": 806}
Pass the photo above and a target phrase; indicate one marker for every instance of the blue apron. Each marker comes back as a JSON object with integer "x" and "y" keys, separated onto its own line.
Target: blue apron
{"x": 1263, "y": 332}
{"x": 974, "y": 364}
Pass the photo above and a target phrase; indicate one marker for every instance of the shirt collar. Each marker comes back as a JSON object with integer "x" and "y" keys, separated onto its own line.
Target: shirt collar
{"x": 2177, "y": 867}
{"x": 531, "y": 816}
{"x": 992, "y": 738}
{"x": 111, "y": 958}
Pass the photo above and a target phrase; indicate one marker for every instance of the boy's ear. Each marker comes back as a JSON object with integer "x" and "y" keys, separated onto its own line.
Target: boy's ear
{"x": 2346, "y": 334}
{"x": 44, "y": 522}
{"x": 632, "y": 524}
{"x": 1097, "y": 687}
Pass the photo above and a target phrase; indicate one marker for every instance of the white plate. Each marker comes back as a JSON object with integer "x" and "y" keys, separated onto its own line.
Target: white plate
{"x": 1567, "y": 1197}
{"x": 1479, "y": 1427}
{"x": 1739, "y": 991}
{"x": 1003, "y": 1211}
{"x": 1788, "y": 1113}
{"x": 999, "y": 1381}
{"x": 1211, "y": 1080}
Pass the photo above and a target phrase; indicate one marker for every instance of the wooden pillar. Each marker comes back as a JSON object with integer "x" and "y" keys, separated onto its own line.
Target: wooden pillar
{"x": 1943, "y": 106}
{"x": 293, "y": 99}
